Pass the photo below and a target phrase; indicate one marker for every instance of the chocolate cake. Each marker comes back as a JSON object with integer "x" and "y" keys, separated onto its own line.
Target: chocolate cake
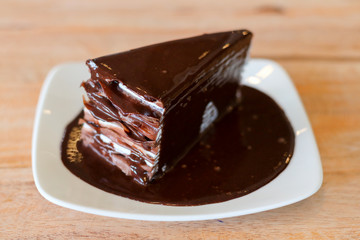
{"x": 147, "y": 107}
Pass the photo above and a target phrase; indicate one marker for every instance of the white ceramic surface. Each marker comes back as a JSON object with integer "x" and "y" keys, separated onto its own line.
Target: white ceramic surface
{"x": 61, "y": 100}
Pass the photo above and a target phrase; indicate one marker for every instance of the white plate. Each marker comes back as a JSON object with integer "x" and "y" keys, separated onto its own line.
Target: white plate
{"x": 61, "y": 99}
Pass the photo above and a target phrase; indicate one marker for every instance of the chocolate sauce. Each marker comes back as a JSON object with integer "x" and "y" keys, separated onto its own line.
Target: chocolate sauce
{"x": 244, "y": 151}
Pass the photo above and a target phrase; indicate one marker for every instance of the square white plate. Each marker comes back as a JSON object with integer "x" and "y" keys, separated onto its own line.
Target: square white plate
{"x": 61, "y": 100}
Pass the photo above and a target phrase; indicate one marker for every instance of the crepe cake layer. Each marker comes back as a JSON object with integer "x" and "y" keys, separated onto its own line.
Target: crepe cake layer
{"x": 147, "y": 107}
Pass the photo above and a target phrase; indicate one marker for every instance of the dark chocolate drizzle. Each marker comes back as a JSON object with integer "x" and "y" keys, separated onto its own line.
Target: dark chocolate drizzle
{"x": 244, "y": 151}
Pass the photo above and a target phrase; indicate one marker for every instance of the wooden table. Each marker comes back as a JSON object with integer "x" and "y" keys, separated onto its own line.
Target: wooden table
{"x": 318, "y": 43}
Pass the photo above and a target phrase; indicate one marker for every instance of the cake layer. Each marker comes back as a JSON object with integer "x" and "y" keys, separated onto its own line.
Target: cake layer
{"x": 115, "y": 153}
{"x": 117, "y": 133}
{"x": 119, "y": 120}
{"x": 147, "y": 107}
{"x": 102, "y": 106}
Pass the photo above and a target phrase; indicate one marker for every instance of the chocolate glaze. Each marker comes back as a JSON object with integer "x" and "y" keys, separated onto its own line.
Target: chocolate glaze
{"x": 165, "y": 70}
{"x": 241, "y": 153}
{"x": 162, "y": 94}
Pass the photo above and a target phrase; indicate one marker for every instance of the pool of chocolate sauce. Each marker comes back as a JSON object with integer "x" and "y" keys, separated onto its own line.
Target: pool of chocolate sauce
{"x": 244, "y": 151}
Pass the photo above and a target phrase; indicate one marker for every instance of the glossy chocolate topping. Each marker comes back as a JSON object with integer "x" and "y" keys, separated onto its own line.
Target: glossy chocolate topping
{"x": 146, "y": 108}
{"x": 162, "y": 71}
{"x": 244, "y": 151}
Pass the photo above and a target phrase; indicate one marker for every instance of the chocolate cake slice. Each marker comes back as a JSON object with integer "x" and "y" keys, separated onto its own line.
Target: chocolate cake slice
{"x": 146, "y": 108}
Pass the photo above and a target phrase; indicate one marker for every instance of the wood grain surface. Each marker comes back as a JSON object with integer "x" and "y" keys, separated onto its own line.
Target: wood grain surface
{"x": 317, "y": 42}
